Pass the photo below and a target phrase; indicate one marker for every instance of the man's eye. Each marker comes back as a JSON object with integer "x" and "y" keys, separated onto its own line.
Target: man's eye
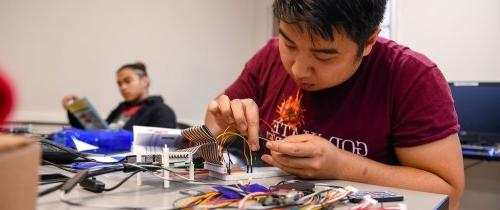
{"x": 323, "y": 58}
{"x": 290, "y": 46}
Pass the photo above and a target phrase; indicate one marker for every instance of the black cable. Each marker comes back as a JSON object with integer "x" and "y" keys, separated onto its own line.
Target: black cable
{"x": 473, "y": 164}
{"x": 59, "y": 167}
{"x": 68, "y": 185}
{"x": 49, "y": 190}
{"x": 228, "y": 156}
{"x": 73, "y": 181}
{"x": 89, "y": 175}
{"x": 126, "y": 168}
{"x": 106, "y": 170}
{"x": 123, "y": 181}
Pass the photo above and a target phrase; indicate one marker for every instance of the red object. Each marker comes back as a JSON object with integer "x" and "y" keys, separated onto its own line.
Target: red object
{"x": 131, "y": 110}
{"x": 6, "y": 97}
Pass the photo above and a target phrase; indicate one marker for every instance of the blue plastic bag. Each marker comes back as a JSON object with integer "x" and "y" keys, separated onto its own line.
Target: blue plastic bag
{"x": 230, "y": 193}
{"x": 105, "y": 141}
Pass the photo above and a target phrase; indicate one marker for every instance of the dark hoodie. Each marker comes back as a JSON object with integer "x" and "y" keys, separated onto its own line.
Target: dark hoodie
{"x": 154, "y": 112}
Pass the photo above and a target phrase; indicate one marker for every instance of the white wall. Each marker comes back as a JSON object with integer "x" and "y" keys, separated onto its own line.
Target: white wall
{"x": 461, "y": 36}
{"x": 193, "y": 49}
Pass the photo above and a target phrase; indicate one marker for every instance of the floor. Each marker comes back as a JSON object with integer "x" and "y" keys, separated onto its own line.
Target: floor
{"x": 482, "y": 185}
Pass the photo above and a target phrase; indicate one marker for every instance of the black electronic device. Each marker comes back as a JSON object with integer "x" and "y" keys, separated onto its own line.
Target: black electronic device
{"x": 380, "y": 196}
{"x": 58, "y": 154}
{"x": 52, "y": 178}
{"x": 307, "y": 187}
{"x": 478, "y": 108}
{"x": 93, "y": 185}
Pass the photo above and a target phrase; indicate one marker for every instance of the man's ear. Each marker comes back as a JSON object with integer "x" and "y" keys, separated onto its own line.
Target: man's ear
{"x": 370, "y": 42}
{"x": 145, "y": 80}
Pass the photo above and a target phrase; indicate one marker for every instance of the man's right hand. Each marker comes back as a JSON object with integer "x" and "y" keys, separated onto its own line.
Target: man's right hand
{"x": 66, "y": 101}
{"x": 242, "y": 113}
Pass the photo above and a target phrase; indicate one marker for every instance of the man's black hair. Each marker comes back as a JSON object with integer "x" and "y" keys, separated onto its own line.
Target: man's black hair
{"x": 323, "y": 18}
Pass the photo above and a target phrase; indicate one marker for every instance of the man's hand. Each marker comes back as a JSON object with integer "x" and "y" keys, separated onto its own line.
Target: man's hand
{"x": 67, "y": 99}
{"x": 305, "y": 155}
{"x": 242, "y": 113}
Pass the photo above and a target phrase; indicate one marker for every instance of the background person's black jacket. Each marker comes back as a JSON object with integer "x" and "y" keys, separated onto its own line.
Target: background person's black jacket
{"x": 154, "y": 112}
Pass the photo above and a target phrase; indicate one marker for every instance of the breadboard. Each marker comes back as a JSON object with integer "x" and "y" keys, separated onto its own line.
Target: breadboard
{"x": 258, "y": 173}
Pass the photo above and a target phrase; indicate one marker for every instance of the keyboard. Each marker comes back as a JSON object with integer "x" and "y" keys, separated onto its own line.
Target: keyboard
{"x": 56, "y": 155}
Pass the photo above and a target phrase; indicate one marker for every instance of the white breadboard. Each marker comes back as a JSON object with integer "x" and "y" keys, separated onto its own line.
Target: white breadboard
{"x": 258, "y": 172}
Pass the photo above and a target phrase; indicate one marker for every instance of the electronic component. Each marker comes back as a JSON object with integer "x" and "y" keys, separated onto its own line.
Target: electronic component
{"x": 92, "y": 185}
{"x": 52, "y": 178}
{"x": 179, "y": 158}
{"x": 258, "y": 172}
{"x": 218, "y": 164}
{"x": 307, "y": 187}
{"x": 282, "y": 198}
{"x": 204, "y": 144}
{"x": 380, "y": 196}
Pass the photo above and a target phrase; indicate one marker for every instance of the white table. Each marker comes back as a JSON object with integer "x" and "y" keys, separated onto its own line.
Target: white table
{"x": 152, "y": 195}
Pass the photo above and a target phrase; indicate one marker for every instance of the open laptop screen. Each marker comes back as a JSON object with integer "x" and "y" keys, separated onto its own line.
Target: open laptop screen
{"x": 478, "y": 107}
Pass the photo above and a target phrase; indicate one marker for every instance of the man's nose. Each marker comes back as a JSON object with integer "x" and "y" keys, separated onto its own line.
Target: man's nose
{"x": 122, "y": 87}
{"x": 301, "y": 68}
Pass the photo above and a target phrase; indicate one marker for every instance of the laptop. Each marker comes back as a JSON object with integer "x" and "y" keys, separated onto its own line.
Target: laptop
{"x": 87, "y": 115}
{"x": 58, "y": 154}
{"x": 478, "y": 108}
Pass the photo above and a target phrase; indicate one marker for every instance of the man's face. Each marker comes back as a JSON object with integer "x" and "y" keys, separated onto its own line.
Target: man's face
{"x": 320, "y": 64}
{"x": 132, "y": 87}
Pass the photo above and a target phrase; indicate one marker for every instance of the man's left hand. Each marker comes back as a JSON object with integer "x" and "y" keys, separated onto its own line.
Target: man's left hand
{"x": 305, "y": 155}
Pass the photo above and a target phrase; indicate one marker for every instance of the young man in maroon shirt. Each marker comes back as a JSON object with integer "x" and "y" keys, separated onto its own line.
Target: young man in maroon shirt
{"x": 345, "y": 103}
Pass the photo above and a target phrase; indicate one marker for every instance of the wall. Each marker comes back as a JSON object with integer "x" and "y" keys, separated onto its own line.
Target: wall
{"x": 192, "y": 48}
{"x": 461, "y": 36}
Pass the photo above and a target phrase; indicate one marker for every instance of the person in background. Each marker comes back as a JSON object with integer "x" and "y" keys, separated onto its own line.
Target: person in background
{"x": 138, "y": 107}
{"x": 335, "y": 101}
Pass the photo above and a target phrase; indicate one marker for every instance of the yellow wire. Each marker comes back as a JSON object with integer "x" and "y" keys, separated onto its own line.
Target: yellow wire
{"x": 194, "y": 200}
{"x": 225, "y": 136}
{"x": 244, "y": 150}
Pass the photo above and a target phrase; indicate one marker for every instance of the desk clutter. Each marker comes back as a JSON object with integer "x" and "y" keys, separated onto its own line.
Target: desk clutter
{"x": 154, "y": 152}
{"x": 292, "y": 194}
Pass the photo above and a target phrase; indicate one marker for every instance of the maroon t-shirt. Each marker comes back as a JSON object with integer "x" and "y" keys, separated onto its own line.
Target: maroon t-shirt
{"x": 397, "y": 98}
